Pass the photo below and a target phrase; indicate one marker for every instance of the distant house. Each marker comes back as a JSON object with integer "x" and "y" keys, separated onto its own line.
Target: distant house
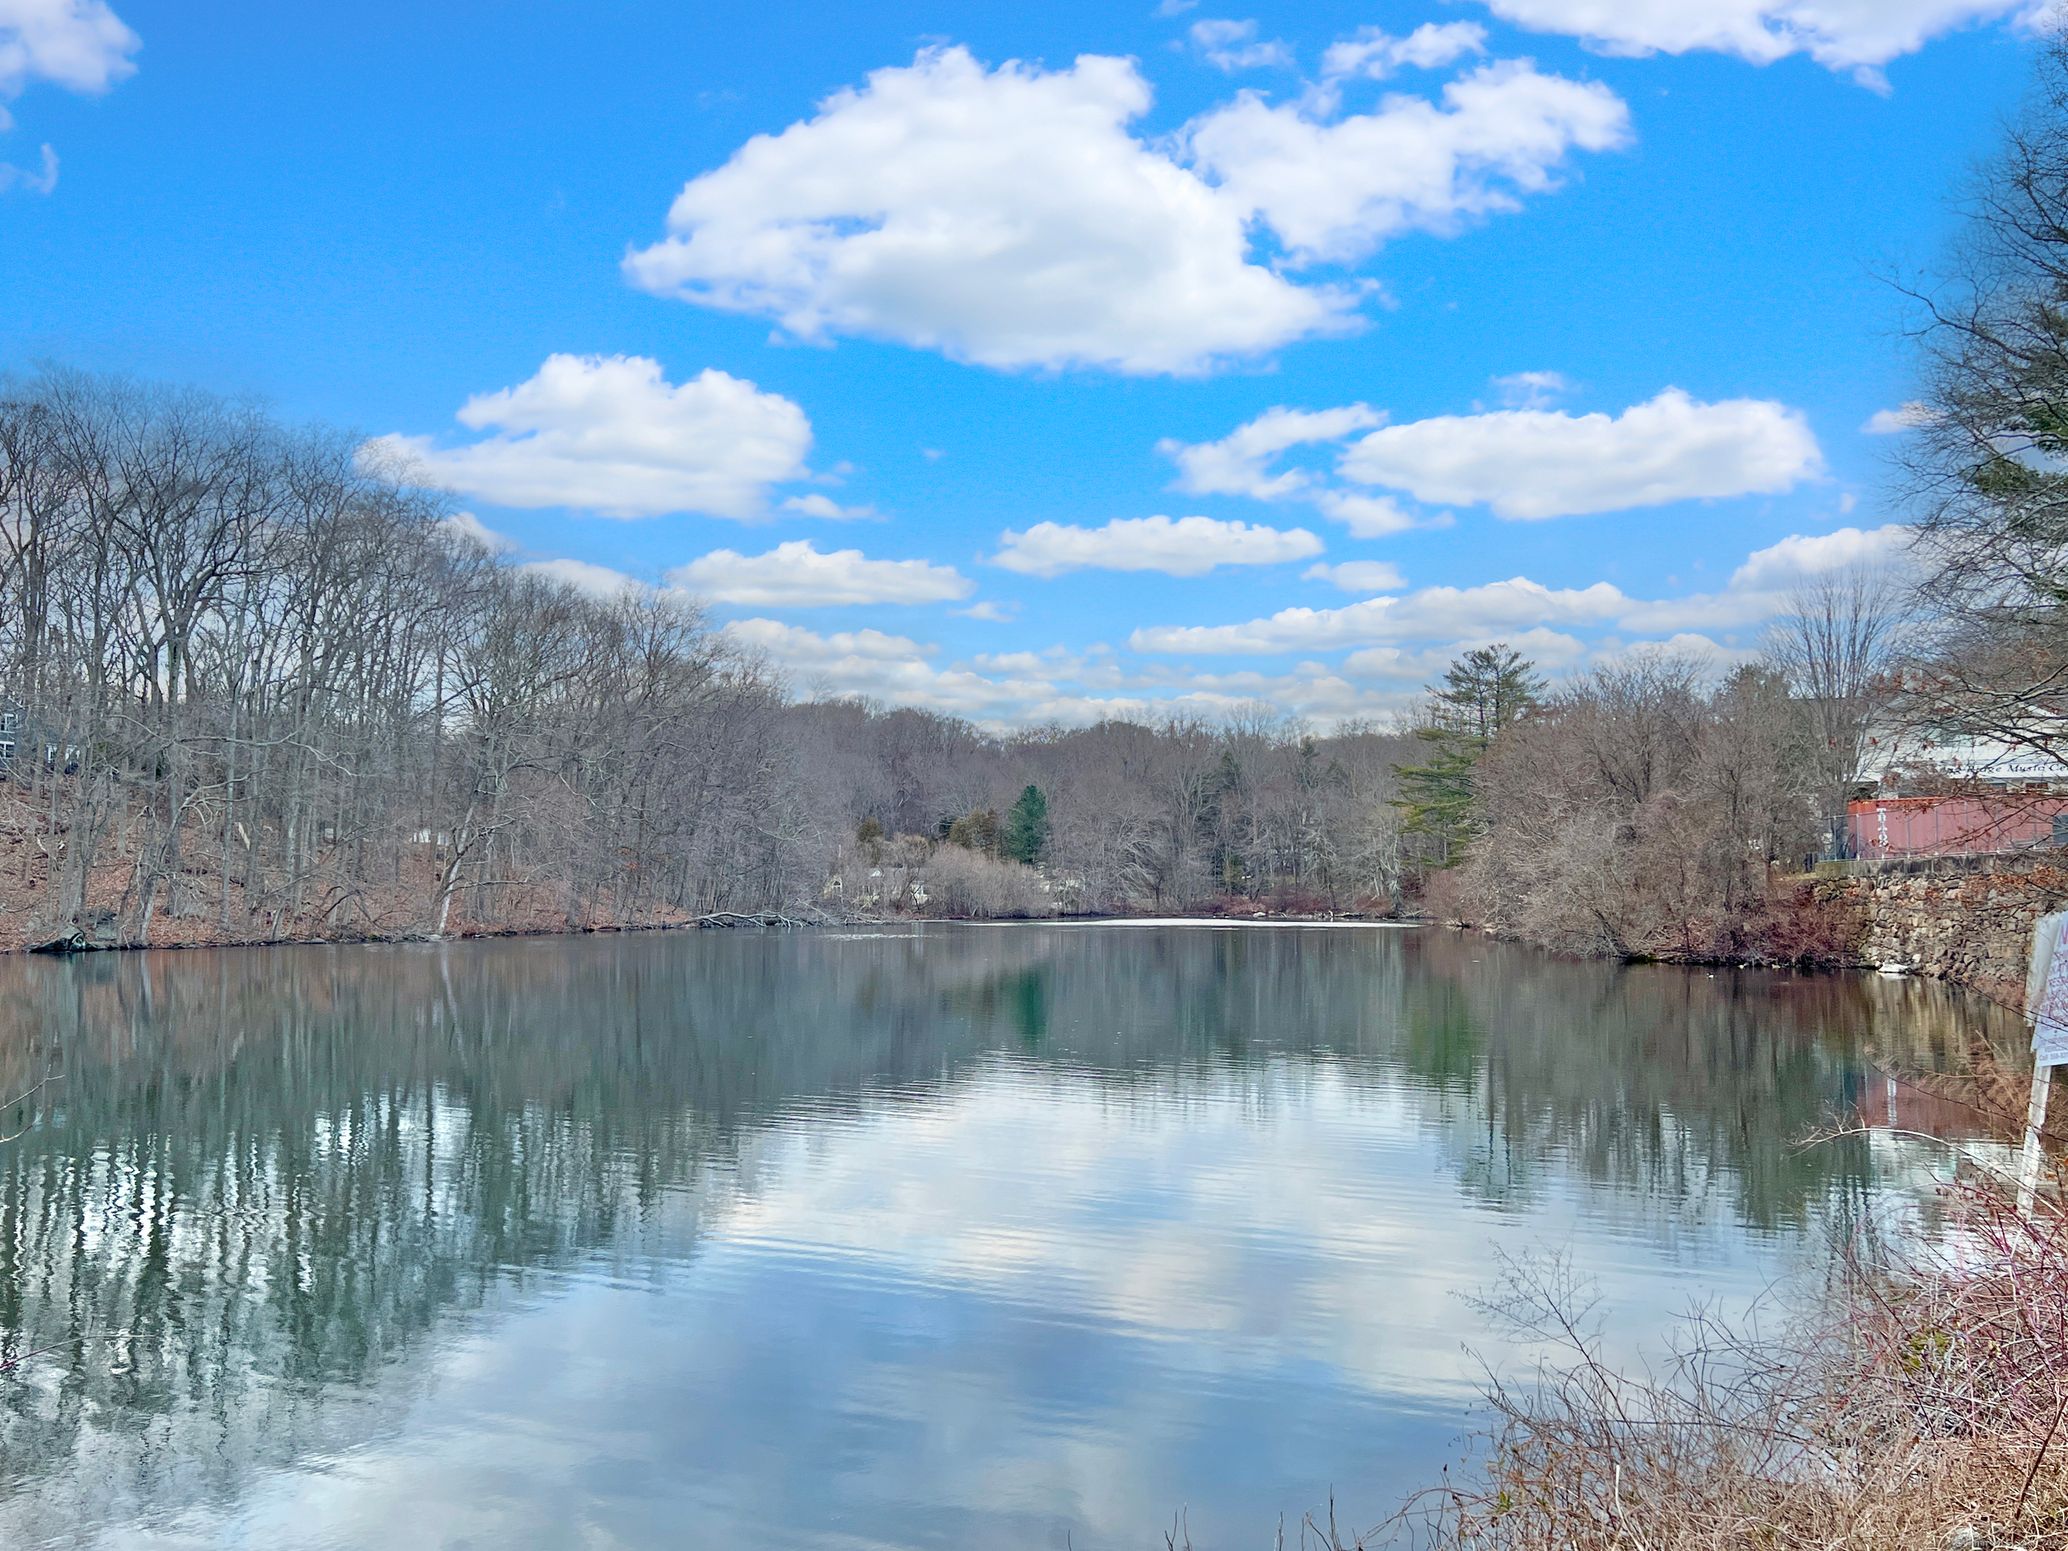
{"x": 19, "y": 739}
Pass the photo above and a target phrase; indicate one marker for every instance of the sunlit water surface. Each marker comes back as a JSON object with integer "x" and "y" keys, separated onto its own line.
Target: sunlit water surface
{"x": 972, "y": 1237}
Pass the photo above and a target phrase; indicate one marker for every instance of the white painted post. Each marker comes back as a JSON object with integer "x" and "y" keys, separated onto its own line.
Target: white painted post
{"x": 2046, "y": 1009}
{"x": 2035, "y": 1121}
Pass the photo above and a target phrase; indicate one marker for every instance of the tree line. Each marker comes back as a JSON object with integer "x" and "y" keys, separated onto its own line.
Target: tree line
{"x": 255, "y": 687}
{"x": 1647, "y": 808}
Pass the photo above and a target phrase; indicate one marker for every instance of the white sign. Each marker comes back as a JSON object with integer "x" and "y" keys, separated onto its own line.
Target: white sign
{"x": 2046, "y": 1004}
{"x": 2046, "y": 991}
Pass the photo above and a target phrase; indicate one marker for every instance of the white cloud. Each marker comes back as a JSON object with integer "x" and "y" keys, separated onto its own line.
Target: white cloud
{"x": 1017, "y": 689}
{"x": 896, "y": 670}
{"x": 1358, "y": 575}
{"x": 466, "y": 528}
{"x": 1005, "y": 217}
{"x": 1546, "y": 648}
{"x": 1175, "y": 546}
{"x": 1707, "y": 653}
{"x": 1893, "y": 422}
{"x": 1236, "y": 464}
{"x": 1531, "y": 464}
{"x": 1011, "y": 218}
{"x": 610, "y": 434}
{"x": 1525, "y": 463}
{"x": 1510, "y": 610}
{"x": 796, "y": 575}
{"x": 596, "y": 581}
{"x": 990, "y": 611}
{"x": 1434, "y": 613}
{"x": 1017, "y": 662}
{"x": 1234, "y": 45}
{"x": 795, "y": 644}
{"x": 42, "y": 179}
{"x": 1802, "y": 556}
{"x": 1856, "y": 35}
{"x": 813, "y": 504}
{"x": 1336, "y": 190}
{"x": 1532, "y": 390}
{"x": 1376, "y": 53}
{"x": 80, "y": 45}
{"x": 1372, "y": 516}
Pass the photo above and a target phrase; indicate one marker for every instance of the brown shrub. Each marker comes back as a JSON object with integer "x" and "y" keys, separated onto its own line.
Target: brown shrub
{"x": 1920, "y": 1401}
{"x": 971, "y": 885}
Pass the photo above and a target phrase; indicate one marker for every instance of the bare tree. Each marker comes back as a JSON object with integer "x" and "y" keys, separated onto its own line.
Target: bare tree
{"x": 1837, "y": 649}
{"x": 1985, "y": 471}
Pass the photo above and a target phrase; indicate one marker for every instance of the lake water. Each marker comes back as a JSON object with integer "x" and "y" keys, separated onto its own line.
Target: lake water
{"x": 970, "y": 1237}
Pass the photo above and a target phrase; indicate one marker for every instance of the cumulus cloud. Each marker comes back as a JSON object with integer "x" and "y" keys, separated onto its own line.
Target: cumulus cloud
{"x": 80, "y": 45}
{"x": 1893, "y": 422}
{"x": 1532, "y": 390}
{"x": 1434, "y": 613}
{"x": 597, "y": 581}
{"x": 1238, "y": 463}
{"x": 1234, "y": 45}
{"x": 1758, "y": 590}
{"x": 1532, "y": 464}
{"x": 1525, "y": 463}
{"x": 794, "y": 643}
{"x": 1359, "y": 575}
{"x": 1006, "y": 217}
{"x": 1336, "y": 188}
{"x": 1799, "y": 557}
{"x": 1372, "y": 516}
{"x": 1550, "y": 649}
{"x": 1705, "y": 652}
{"x": 1764, "y": 587}
{"x": 990, "y": 610}
{"x": 898, "y": 670}
{"x": 1375, "y": 53}
{"x": 797, "y": 575}
{"x": 1175, "y": 546}
{"x": 814, "y": 504}
{"x": 465, "y": 528}
{"x": 611, "y": 435}
{"x": 1017, "y": 689}
{"x": 1011, "y": 217}
{"x": 40, "y": 179}
{"x": 1855, "y": 35}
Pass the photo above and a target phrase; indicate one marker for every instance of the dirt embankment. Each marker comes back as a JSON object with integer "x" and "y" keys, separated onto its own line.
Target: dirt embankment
{"x": 189, "y": 910}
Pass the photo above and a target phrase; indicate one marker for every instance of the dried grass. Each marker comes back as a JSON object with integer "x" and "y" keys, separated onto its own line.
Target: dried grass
{"x": 1920, "y": 1401}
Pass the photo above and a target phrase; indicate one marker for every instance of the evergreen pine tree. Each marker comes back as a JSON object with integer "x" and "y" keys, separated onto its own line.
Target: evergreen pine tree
{"x": 1482, "y": 692}
{"x": 1026, "y": 827}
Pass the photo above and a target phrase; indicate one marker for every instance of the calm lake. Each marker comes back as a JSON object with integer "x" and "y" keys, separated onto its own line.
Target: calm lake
{"x": 971, "y": 1237}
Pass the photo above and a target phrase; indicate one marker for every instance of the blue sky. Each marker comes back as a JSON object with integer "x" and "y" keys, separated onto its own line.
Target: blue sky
{"x": 1579, "y": 306}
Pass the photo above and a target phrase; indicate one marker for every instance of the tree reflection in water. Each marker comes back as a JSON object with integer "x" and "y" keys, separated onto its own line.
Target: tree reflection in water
{"x": 265, "y": 1177}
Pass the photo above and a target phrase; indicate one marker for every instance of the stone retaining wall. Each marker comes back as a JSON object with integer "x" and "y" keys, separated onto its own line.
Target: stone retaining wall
{"x": 1963, "y": 919}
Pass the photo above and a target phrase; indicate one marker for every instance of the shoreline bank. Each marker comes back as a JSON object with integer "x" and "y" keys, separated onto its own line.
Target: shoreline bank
{"x": 79, "y": 945}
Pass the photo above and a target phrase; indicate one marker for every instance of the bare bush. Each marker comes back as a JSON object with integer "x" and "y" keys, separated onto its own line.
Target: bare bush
{"x": 969, "y": 884}
{"x": 1919, "y": 1399}
{"x": 1636, "y": 814}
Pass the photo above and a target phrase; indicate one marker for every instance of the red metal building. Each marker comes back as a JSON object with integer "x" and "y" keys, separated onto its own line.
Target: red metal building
{"x": 1988, "y": 824}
